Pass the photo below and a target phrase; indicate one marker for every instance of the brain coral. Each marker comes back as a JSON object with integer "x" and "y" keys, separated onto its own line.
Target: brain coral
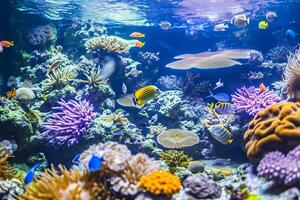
{"x": 276, "y": 127}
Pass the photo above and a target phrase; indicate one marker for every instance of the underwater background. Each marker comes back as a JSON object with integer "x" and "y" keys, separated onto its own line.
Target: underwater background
{"x": 162, "y": 99}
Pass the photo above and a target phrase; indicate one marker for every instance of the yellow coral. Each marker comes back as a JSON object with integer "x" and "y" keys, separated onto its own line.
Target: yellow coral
{"x": 174, "y": 159}
{"x": 5, "y": 170}
{"x": 161, "y": 183}
{"x": 273, "y": 128}
{"x": 69, "y": 185}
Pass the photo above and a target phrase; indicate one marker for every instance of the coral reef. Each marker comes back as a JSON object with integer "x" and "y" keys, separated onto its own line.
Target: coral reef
{"x": 9, "y": 189}
{"x": 6, "y": 171}
{"x": 273, "y": 128}
{"x": 161, "y": 183}
{"x": 170, "y": 82}
{"x": 108, "y": 43}
{"x": 251, "y": 99}
{"x": 280, "y": 53}
{"x": 201, "y": 187}
{"x": 282, "y": 169}
{"x": 68, "y": 124}
{"x": 41, "y": 34}
{"x": 196, "y": 166}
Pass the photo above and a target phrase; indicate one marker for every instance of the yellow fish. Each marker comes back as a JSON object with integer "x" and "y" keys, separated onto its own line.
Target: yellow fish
{"x": 54, "y": 66}
{"x": 263, "y": 25}
{"x": 145, "y": 94}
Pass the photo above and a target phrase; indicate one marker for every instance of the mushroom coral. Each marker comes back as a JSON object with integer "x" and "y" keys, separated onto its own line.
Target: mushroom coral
{"x": 65, "y": 184}
{"x": 276, "y": 127}
{"x": 161, "y": 183}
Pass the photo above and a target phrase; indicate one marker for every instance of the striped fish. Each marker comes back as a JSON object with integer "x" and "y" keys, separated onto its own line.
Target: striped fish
{"x": 221, "y": 134}
{"x": 145, "y": 94}
{"x": 224, "y": 108}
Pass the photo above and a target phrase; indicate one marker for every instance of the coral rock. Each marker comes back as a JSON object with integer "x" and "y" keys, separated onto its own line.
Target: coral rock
{"x": 273, "y": 128}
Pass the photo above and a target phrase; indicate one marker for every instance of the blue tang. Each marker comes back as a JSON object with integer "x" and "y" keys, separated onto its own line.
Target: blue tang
{"x": 223, "y": 97}
{"x": 30, "y": 174}
{"x": 95, "y": 163}
{"x": 290, "y": 34}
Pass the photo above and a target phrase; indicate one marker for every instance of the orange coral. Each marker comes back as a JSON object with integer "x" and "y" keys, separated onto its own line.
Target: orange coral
{"x": 275, "y": 128}
{"x": 5, "y": 170}
{"x": 161, "y": 183}
{"x": 11, "y": 94}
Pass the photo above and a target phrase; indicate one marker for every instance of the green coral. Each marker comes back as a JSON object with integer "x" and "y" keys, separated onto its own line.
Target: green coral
{"x": 175, "y": 159}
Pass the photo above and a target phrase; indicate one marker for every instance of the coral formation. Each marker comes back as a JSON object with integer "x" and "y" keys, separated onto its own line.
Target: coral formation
{"x": 282, "y": 169}
{"x": 273, "y": 128}
{"x": 68, "y": 124}
{"x": 201, "y": 187}
{"x": 175, "y": 159}
{"x": 280, "y": 53}
{"x": 176, "y": 138}
{"x": 251, "y": 99}
{"x": 196, "y": 166}
{"x": 41, "y": 34}
{"x": 9, "y": 189}
{"x": 25, "y": 95}
{"x": 161, "y": 183}
{"x": 6, "y": 171}
{"x": 108, "y": 43}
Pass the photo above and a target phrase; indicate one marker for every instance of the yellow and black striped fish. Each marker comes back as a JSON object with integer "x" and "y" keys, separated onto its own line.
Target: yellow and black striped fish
{"x": 221, "y": 134}
{"x": 145, "y": 94}
{"x": 223, "y": 108}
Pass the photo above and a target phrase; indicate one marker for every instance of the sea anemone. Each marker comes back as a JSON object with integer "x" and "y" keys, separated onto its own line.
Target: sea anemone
{"x": 68, "y": 124}
{"x": 251, "y": 99}
{"x": 292, "y": 76}
{"x": 69, "y": 185}
{"x": 161, "y": 183}
{"x": 176, "y": 138}
{"x": 94, "y": 78}
{"x": 108, "y": 43}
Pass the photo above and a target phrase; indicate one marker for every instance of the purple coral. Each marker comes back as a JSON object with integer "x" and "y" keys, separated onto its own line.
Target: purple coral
{"x": 68, "y": 124}
{"x": 282, "y": 169}
{"x": 252, "y": 100}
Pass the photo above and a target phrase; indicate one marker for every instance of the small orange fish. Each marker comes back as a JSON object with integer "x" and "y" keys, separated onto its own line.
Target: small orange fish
{"x": 137, "y": 35}
{"x": 262, "y": 87}
{"x": 54, "y": 66}
{"x": 5, "y": 43}
{"x": 11, "y": 94}
{"x": 139, "y": 44}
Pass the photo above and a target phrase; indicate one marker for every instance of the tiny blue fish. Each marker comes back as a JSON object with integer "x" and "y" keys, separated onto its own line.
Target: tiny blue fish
{"x": 30, "y": 174}
{"x": 95, "y": 163}
{"x": 223, "y": 97}
{"x": 290, "y": 34}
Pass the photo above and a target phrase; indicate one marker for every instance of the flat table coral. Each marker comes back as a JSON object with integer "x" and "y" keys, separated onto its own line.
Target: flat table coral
{"x": 161, "y": 183}
{"x": 273, "y": 128}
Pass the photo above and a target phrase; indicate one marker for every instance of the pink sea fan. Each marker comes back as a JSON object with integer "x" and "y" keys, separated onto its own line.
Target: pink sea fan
{"x": 252, "y": 100}
{"x": 68, "y": 124}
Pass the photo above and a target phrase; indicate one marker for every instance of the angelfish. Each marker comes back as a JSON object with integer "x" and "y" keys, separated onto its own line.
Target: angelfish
{"x": 29, "y": 176}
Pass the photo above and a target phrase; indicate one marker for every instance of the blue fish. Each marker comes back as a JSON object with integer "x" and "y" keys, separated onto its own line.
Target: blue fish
{"x": 95, "y": 163}
{"x": 290, "y": 34}
{"x": 30, "y": 174}
{"x": 223, "y": 97}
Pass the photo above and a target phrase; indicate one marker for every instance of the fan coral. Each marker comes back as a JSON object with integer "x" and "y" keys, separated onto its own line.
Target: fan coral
{"x": 161, "y": 183}
{"x": 137, "y": 166}
{"x": 75, "y": 185}
{"x": 175, "y": 159}
{"x": 60, "y": 77}
{"x": 292, "y": 76}
{"x": 41, "y": 34}
{"x": 108, "y": 43}
{"x": 279, "y": 168}
{"x": 202, "y": 188}
{"x": 68, "y": 124}
{"x": 273, "y": 128}
{"x": 252, "y": 100}
{"x": 175, "y": 138}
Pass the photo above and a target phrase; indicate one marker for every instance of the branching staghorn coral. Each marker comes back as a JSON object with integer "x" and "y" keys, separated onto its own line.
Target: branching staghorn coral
{"x": 69, "y": 185}
{"x": 292, "y": 76}
{"x": 60, "y": 77}
{"x": 108, "y": 43}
